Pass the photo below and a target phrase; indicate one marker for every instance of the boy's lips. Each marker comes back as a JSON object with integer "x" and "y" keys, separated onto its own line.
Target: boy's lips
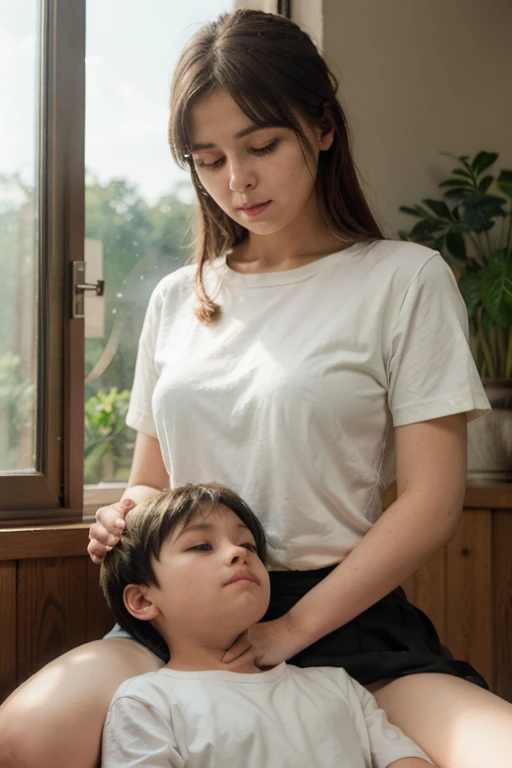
{"x": 243, "y": 576}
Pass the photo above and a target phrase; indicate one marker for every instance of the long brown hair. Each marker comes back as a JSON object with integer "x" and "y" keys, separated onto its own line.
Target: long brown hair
{"x": 273, "y": 71}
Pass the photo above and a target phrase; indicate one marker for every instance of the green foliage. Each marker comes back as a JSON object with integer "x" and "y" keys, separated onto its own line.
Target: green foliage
{"x": 105, "y": 429}
{"x": 16, "y": 398}
{"x": 472, "y": 229}
{"x": 141, "y": 244}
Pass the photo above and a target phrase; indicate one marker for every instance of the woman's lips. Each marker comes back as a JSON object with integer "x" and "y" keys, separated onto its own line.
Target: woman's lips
{"x": 256, "y": 210}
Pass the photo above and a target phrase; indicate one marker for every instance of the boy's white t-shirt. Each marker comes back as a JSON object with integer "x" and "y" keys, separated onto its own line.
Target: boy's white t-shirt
{"x": 292, "y": 397}
{"x": 285, "y": 717}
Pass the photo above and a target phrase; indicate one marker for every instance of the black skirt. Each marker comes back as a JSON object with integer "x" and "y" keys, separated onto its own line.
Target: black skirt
{"x": 391, "y": 639}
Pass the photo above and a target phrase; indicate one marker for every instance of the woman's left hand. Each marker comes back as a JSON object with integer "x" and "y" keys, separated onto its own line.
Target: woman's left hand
{"x": 266, "y": 644}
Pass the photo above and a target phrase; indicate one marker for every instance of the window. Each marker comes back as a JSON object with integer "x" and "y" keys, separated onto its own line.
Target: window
{"x": 139, "y": 206}
{"x": 137, "y": 210}
{"x": 41, "y": 229}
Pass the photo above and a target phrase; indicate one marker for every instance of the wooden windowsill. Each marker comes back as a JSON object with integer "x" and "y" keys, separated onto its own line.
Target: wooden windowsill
{"x": 44, "y": 541}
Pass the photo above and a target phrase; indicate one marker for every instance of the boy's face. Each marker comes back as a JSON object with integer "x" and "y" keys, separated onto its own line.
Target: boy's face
{"x": 213, "y": 585}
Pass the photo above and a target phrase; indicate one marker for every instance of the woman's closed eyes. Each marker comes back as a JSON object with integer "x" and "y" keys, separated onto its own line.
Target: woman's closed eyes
{"x": 266, "y": 150}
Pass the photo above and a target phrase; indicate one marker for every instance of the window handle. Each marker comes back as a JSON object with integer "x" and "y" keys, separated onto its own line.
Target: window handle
{"x": 80, "y": 286}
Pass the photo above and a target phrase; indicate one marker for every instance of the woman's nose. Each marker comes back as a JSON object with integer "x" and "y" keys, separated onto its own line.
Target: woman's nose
{"x": 241, "y": 178}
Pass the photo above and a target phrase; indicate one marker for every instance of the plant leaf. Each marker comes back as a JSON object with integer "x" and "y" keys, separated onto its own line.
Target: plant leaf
{"x": 497, "y": 292}
{"x": 455, "y": 244}
{"x": 460, "y": 172}
{"x": 485, "y": 183}
{"x": 504, "y": 183}
{"x": 456, "y": 183}
{"x": 483, "y": 160}
{"x": 470, "y": 286}
{"x": 460, "y": 193}
{"x": 424, "y": 230}
{"x": 439, "y": 207}
{"x": 478, "y": 211}
{"x": 411, "y": 211}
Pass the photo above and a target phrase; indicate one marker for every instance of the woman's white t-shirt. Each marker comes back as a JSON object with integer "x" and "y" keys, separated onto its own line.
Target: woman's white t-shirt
{"x": 291, "y": 398}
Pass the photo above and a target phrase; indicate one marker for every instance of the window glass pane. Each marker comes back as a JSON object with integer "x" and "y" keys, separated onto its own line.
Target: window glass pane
{"x": 138, "y": 203}
{"x": 19, "y": 97}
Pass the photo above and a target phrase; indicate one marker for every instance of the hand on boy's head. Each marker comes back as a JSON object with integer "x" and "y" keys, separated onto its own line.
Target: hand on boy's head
{"x": 106, "y": 531}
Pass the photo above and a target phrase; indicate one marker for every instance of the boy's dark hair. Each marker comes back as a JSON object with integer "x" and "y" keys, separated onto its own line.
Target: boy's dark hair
{"x": 148, "y": 526}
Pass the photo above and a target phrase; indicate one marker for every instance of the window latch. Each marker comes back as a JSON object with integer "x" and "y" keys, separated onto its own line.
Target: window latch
{"x": 80, "y": 287}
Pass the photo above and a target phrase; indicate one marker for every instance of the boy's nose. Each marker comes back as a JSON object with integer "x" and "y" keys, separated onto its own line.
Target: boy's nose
{"x": 238, "y": 554}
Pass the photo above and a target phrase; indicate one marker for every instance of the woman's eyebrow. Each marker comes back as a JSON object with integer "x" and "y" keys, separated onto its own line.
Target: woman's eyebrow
{"x": 239, "y": 135}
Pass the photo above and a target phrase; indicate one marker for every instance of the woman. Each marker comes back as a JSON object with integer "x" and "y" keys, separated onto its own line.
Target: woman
{"x": 292, "y": 361}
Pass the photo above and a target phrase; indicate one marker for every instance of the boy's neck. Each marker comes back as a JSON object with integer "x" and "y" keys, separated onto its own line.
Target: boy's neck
{"x": 206, "y": 659}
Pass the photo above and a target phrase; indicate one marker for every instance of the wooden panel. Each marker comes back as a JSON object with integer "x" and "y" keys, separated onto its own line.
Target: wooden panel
{"x": 51, "y": 610}
{"x": 8, "y": 629}
{"x": 99, "y": 618}
{"x": 427, "y": 590}
{"x": 469, "y": 593}
{"x": 47, "y": 541}
{"x": 502, "y": 592}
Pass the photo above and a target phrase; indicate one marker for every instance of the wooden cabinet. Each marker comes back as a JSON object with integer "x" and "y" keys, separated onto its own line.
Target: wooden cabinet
{"x": 50, "y": 599}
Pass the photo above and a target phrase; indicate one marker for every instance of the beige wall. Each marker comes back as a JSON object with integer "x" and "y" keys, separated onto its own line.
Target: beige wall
{"x": 417, "y": 77}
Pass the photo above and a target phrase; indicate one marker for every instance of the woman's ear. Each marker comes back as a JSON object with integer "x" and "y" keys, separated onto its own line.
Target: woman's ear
{"x": 326, "y": 129}
{"x": 137, "y": 602}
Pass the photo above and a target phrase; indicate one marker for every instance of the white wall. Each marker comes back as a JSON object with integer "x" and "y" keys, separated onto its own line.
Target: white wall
{"x": 417, "y": 77}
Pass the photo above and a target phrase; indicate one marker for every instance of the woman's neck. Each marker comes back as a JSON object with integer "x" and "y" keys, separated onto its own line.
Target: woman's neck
{"x": 304, "y": 240}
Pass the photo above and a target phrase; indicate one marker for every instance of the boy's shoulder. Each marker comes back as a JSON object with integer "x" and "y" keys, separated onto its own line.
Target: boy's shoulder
{"x": 332, "y": 678}
{"x": 148, "y": 689}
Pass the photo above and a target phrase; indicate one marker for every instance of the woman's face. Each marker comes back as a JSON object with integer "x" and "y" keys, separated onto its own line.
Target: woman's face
{"x": 242, "y": 165}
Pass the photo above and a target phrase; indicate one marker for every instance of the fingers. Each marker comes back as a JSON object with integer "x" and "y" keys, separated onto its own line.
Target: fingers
{"x": 106, "y": 531}
{"x": 112, "y": 518}
{"x": 239, "y": 647}
{"x": 243, "y": 659}
{"x": 96, "y": 552}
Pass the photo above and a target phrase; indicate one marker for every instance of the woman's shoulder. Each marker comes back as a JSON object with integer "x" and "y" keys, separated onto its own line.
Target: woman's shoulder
{"x": 180, "y": 278}
{"x": 409, "y": 257}
{"x": 395, "y": 265}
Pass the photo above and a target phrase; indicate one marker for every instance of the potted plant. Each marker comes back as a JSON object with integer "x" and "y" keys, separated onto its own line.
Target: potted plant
{"x": 472, "y": 229}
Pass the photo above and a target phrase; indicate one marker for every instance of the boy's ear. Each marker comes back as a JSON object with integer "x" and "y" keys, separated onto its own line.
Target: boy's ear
{"x": 138, "y": 603}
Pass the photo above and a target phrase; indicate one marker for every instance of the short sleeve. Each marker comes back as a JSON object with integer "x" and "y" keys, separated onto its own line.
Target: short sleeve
{"x": 140, "y": 411}
{"x": 431, "y": 371}
{"x": 138, "y": 734}
{"x": 387, "y": 742}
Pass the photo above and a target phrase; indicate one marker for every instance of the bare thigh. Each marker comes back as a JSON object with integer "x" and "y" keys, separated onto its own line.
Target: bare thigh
{"x": 458, "y": 724}
{"x": 56, "y": 717}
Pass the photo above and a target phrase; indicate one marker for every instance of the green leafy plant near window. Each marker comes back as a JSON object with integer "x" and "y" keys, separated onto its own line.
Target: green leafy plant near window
{"x": 472, "y": 229}
{"x": 105, "y": 424}
{"x": 16, "y": 398}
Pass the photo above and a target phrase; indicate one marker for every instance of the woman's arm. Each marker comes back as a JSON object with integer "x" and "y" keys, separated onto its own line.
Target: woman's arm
{"x": 431, "y": 480}
{"x": 148, "y": 477}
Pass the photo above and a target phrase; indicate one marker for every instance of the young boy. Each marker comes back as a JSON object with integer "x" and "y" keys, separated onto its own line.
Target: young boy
{"x": 190, "y": 569}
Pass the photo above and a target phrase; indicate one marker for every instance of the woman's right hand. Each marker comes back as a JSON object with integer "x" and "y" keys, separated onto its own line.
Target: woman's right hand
{"x": 106, "y": 531}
